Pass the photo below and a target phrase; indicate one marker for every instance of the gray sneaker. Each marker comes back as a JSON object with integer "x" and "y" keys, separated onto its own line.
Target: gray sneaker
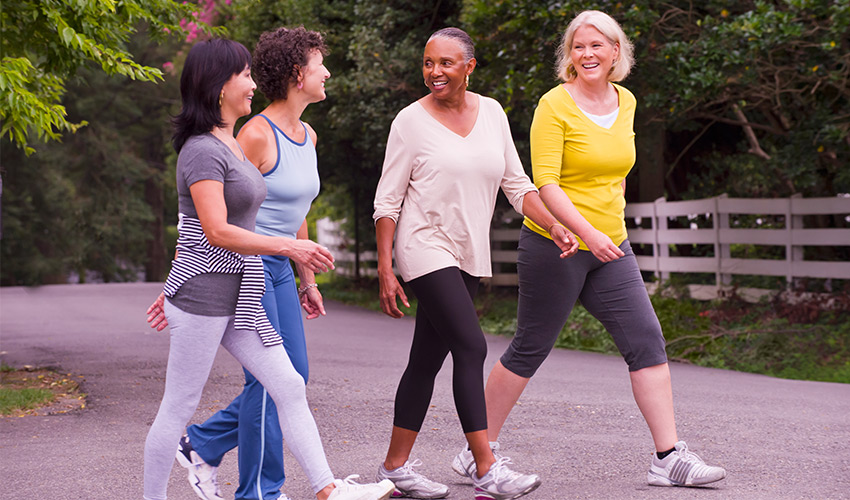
{"x": 411, "y": 484}
{"x": 202, "y": 476}
{"x": 501, "y": 483}
{"x": 464, "y": 462}
{"x": 682, "y": 468}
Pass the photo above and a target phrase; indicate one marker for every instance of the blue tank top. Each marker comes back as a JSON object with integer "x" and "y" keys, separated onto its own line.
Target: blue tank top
{"x": 292, "y": 184}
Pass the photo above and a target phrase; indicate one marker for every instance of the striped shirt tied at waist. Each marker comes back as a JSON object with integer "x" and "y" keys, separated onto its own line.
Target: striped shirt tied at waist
{"x": 197, "y": 256}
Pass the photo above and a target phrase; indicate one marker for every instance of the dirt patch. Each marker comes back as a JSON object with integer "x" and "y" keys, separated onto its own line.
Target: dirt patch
{"x": 65, "y": 387}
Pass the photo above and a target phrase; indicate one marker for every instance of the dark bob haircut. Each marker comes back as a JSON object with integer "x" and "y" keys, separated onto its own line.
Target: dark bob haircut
{"x": 278, "y": 57}
{"x": 209, "y": 65}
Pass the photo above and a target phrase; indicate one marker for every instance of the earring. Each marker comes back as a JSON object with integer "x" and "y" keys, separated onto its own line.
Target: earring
{"x": 300, "y": 84}
{"x": 220, "y": 97}
{"x": 467, "y": 80}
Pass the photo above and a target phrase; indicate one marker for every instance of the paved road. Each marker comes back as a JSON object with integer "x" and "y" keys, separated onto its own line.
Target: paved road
{"x": 577, "y": 424}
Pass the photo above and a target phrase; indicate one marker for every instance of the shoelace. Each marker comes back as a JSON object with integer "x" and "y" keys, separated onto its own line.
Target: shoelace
{"x": 408, "y": 466}
{"x": 500, "y": 468}
{"x": 687, "y": 455}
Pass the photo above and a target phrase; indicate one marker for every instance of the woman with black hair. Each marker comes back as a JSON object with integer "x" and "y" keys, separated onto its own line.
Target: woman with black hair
{"x": 216, "y": 280}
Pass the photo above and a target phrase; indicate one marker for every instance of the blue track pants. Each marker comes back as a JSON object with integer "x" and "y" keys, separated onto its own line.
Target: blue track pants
{"x": 251, "y": 421}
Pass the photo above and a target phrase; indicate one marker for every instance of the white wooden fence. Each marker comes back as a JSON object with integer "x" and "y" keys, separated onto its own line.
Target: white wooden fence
{"x": 715, "y": 222}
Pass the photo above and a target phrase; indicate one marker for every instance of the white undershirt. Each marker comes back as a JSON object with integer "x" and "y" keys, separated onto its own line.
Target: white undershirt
{"x": 604, "y": 121}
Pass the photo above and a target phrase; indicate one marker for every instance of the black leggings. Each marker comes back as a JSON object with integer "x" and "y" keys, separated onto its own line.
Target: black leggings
{"x": 446, "y": 321}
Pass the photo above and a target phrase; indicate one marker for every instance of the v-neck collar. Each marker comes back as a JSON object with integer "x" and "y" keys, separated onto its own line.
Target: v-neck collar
{"x": 474, "y": 125}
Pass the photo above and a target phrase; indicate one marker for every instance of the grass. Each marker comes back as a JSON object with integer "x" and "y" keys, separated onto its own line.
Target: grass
{"x": 37, "y": 391}
{"x": 22, "y": 399}
{"x": 806, "y": 340}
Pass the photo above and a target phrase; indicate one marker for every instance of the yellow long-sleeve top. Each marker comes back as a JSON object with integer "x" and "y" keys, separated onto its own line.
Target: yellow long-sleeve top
{"x": 587, "y": 161}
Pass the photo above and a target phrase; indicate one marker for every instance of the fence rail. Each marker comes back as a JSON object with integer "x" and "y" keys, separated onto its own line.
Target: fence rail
{"x": 713, "y": 224}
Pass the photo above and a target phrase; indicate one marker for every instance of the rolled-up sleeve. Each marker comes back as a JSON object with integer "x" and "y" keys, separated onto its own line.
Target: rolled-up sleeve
{"x": 547, "y": 145}
{"x": 395, "y": 177}
{"x": 515, "y": 183}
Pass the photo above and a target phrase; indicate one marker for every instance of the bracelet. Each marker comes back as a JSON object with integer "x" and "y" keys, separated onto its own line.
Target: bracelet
{"x": 549, "y": 229}
{"x": 303, "y": 289}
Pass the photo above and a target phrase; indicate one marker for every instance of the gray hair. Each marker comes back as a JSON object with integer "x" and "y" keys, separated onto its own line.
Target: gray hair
{"x": 459, "y": 36}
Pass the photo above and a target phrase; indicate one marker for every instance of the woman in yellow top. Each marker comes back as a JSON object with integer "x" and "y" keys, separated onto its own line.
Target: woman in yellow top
{"x": 582, "y": 148}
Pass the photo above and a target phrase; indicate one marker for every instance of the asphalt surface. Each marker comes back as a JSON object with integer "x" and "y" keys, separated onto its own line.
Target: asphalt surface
{"x": 576, "y": 425}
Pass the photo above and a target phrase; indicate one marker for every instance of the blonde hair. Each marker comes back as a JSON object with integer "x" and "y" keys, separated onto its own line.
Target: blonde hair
{"x": 611, "y": 30}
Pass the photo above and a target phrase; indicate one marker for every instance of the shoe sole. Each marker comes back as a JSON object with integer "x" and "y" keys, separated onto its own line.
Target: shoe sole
{"x": 655, "y": 480}
{"x": 390, "y": 492}
{"x": 397, "y": 493}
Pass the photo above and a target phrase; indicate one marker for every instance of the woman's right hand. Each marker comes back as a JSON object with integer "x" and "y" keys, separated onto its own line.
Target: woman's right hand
{"x": 156, "y": 313}
{"x": 601, "y": 246}
{"x": 310, "y": 254}
{"x": 390, "y": 289}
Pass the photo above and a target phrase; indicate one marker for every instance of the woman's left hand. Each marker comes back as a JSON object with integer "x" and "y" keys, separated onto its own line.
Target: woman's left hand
{"x": 313, "y": 303}
{"x": 565, "y": 240}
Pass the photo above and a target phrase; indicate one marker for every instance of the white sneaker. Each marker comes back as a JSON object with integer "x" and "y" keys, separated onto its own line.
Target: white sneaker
{"x": 203, "y": 477}
{"x": 682, "y": 468}
{"x": 347, "y": 489}
{"x": 501, "y": 483}
{"x": 411, "y": 484}
{"x": 464, "y": 462}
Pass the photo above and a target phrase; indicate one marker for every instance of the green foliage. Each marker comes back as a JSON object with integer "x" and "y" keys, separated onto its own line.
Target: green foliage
{"x": 92, "y": 204}
{"x": 46, "y": 42}
{"x": 806, "y": 338}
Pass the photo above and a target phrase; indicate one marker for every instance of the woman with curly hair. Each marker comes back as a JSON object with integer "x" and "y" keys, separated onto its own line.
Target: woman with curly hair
{"x": 288, "y": 68}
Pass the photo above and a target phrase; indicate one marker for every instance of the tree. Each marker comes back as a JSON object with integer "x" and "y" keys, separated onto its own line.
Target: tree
{"x": 92, "y": 204}
{"x": 45, "y": 42}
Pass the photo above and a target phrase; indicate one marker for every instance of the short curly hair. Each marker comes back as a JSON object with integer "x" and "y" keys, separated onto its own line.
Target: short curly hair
{"x": 279, "y": 55}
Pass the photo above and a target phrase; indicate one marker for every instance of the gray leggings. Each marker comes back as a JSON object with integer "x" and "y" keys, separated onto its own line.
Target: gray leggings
{"x": 613, "y": 292}
{"x": 194, "y": 342}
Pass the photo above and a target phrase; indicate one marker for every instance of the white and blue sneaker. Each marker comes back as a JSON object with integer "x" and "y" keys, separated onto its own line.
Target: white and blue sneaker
{"x": 202, "y": 476}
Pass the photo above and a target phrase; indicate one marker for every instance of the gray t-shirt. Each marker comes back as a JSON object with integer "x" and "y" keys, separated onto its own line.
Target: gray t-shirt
{"x": 205, "y": 157}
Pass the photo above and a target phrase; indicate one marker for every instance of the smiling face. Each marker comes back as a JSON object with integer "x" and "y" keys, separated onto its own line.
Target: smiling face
{"x": 592, "y": 54}
{"x": 313, "y": 76}
{"x": 445, "y": 69}
{"x": 238, "y": 92}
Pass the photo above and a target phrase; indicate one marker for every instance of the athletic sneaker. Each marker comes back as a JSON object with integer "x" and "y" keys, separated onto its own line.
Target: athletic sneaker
{"x": 347, "y": 489}
{"x": 411, "y": 484}
{"x": 501, "y": 483}
{"x": 464, "y": 462}
{"x": 202, "y": 476}
{"x": 682, "y": 468}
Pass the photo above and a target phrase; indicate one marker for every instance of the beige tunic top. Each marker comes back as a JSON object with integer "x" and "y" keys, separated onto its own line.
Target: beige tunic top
{"x": 440, "y": 189}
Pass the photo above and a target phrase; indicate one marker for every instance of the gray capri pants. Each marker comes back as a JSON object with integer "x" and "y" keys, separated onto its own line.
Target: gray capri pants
{"x": 613, "y": 292}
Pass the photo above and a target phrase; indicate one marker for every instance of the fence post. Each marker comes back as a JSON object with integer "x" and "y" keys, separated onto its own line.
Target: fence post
{"x": 721, "y": 250}
{"x": 659, "y": 251}
{"x": 792, "y": 252}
